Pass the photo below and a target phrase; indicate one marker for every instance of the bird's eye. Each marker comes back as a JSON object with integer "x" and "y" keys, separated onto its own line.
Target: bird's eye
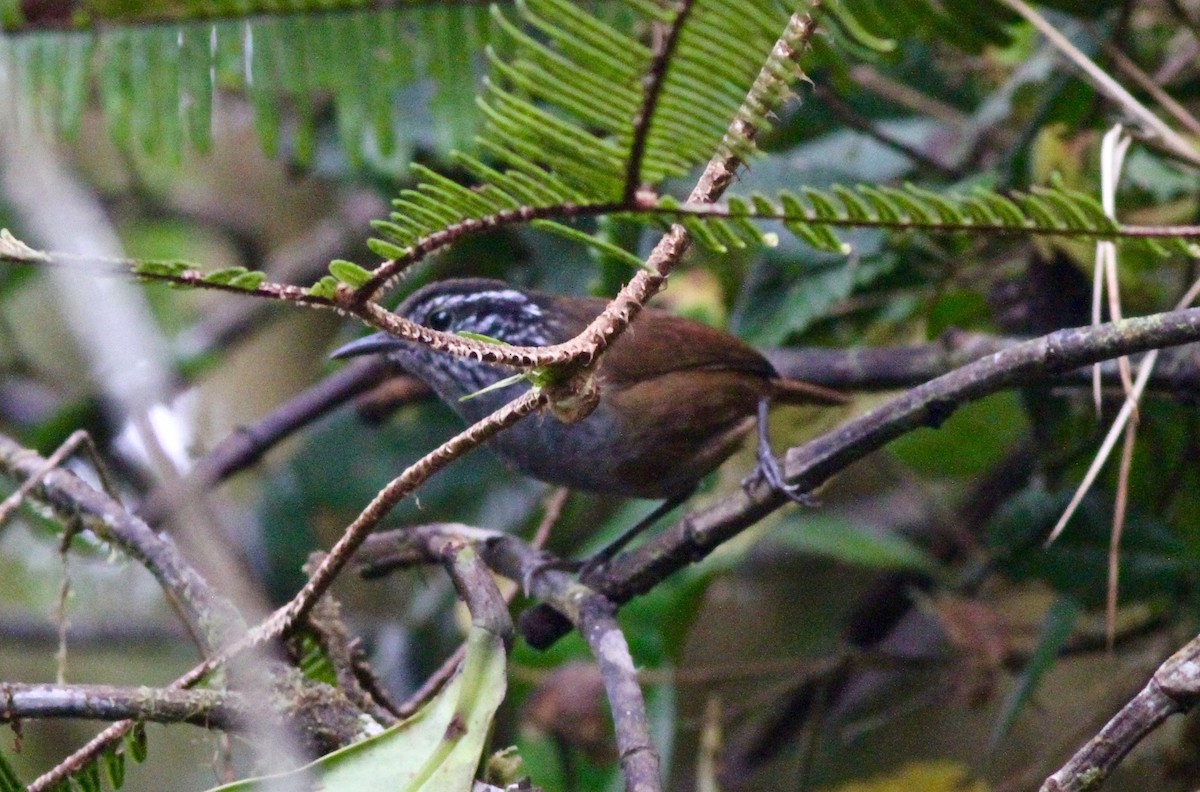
{"x": 439, "y": 320}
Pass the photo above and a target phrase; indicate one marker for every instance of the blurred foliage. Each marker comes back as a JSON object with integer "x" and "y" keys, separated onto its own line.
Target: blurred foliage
{"x": 166, "y": 109}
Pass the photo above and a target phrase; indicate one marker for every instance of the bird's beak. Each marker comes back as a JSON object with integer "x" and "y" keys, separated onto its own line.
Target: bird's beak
{"x": 368, "y": 345}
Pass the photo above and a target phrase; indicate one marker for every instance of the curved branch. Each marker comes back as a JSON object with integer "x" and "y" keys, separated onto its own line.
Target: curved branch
{"x": 1174, "y": 688}
{"x": 284, "y": 619}
{"x": 891, "y": 368}
{"x": 639, "y": 759}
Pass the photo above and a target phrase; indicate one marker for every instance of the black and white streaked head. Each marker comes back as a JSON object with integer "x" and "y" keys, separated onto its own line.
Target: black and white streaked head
{"x": 490, "y": 308}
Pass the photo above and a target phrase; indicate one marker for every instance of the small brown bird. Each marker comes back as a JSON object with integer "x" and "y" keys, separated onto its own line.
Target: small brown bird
{"x": 677, "y": 397}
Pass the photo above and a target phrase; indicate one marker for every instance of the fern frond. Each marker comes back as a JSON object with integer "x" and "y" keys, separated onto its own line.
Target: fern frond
{"x": 875, "y": 26}
{"x": 813, "y": 214}
{"x": 583, "y": 115}
{"x": 156, "y": 83}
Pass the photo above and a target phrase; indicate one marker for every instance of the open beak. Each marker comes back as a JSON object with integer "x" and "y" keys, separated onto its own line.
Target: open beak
{"x": 368, "y": 345}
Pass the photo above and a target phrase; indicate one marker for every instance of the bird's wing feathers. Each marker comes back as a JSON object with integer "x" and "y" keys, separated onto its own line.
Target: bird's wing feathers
{"x": 682, "y": 345}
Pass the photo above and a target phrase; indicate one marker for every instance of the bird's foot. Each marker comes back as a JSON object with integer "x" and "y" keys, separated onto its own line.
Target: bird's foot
{"x": 768, "y": 468}
{"x": 769, "y": 471}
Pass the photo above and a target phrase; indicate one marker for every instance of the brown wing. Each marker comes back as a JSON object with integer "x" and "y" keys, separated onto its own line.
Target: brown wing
{"x": 683, "y": 345}
{"x": 679, "y": 345}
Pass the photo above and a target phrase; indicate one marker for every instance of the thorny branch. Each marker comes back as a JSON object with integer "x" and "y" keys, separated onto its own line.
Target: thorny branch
{"x": 695, "y": 536}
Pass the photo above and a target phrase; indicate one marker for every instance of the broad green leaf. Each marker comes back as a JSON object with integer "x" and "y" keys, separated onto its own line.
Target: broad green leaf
{"x": 9, "y": 782}
{"x": 969, "y": 442}
{"x": 436, "y": 750}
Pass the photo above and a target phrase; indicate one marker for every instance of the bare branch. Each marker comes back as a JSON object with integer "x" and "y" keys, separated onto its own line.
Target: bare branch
{"x": 868, "y": 368}
{"x": 211, "y": 709}
{"x": 639, "y": 759}
{"x": 284, "y": 619}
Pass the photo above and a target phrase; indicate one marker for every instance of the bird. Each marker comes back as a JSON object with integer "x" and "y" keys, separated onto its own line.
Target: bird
{"x": 676, "y": 397}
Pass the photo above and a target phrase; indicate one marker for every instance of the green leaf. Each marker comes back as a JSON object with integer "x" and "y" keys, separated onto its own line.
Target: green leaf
{"x": 249, "y": 281}
{"x": 600, "y": 245}
{"x": 166, "y": 269}
{"x": 137, "y": 742}
{"x": 349, "y": 273}
{"x": 88, "y": 777}
{"x": 436, "y": 750}
{"x": 495, "y": 386}
{"x": 326, "y": 287}
{"x": 114, "y": 767}
{"x": 1056, "y": 629}
{"x": 841, "y": 540}
{"x": 386, "y": 250}
{"x": 314, "y": 663}
{"x": 226, "y": 276}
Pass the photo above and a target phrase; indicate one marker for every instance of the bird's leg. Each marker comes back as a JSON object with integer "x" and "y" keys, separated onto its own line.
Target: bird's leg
{"x": 601, "y": 557}
{"x": 768, "y": 469}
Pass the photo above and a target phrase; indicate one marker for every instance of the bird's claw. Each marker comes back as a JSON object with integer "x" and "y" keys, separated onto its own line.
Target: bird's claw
{"x": 768, "y": 468}
{"x": 769, "y": 471}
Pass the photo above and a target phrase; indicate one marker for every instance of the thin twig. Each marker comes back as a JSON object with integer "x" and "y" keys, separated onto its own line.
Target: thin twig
{"x": 212, "y": 620}
{"x": 100, "y": 743}
{"x": 1164, "y": 99}
{"x": 1120, "y": 508}
{"x": 388, "y": 541}
{"x": 1127, "y": 413}
{"x": 552, "y": 511}
{"x": 585, "y": 349}
{"x": 56, "y": 459}
{"x": 907, "y": 97}
{"x": 1106, "y": 84}
{"x": 853, "y": 119}
{"x": 893, "y": 368}
{"x": 1174, "y": 688}
{"x": 284, "y": 619}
